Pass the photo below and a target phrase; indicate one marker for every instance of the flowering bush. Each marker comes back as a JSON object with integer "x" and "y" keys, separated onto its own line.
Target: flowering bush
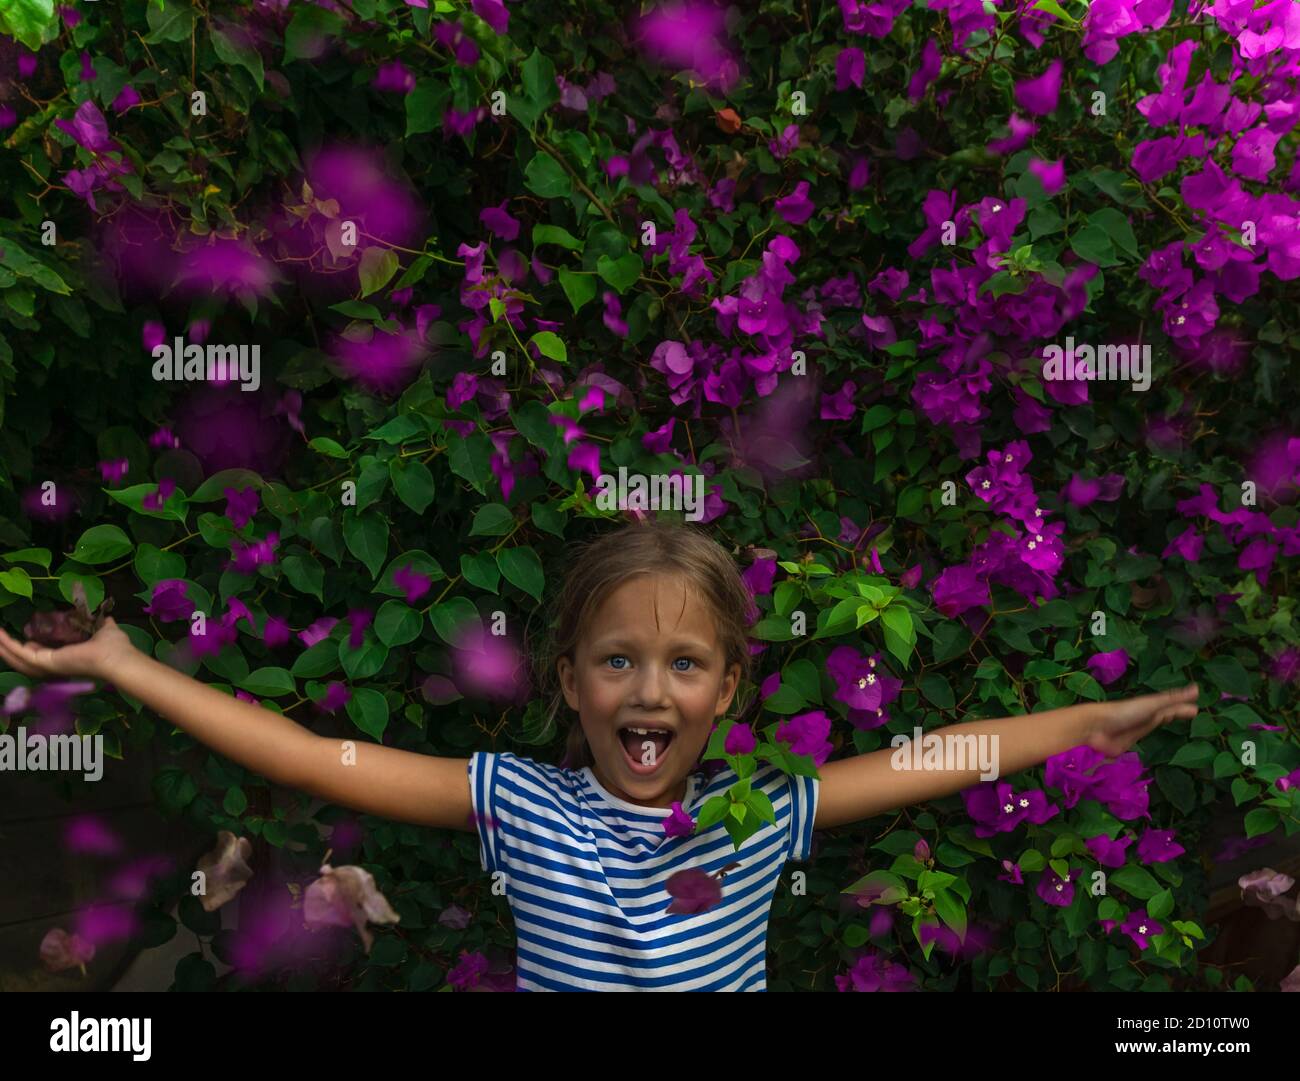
{"x": 811, "y": 251}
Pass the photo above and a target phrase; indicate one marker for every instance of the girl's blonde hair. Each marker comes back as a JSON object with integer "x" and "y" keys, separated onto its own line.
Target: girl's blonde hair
{"x": 658, "y": 547}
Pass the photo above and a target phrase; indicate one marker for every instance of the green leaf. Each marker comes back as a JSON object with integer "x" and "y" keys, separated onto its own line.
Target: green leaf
{"x": 1093, "y": 245}
{"x": 1227, "y": 675}
{"x": 17, "y": 581}
{"x": 269, "y": 683}
{"x": 621, "y": 273}
{"x": 369, "y": 712}
{"x": 235, "y": 803}
{"x": 366, "y": 536}
{"x": 236, "y": 52}
{"x": 547, "y": 178}
{"x": 1137, "y": 881}
{"x": 413, "y": 483}
{"x": 1116, "y": 226}
{"x": 378, "y": 265}
{"x": 101, "y": 544}
{"x": 365, "y": 661}
{"x": 325, "y": 445}
{"x": 215, "y": 486}
{"x": 320, "y": 660}
{"x": 550, "y": 344}
{"x": 451, "y": 618}
{"x": 555, "y": 234}
{"x": 397, "y": 623}
{"x": 539, "y": 81}
{"x": 470, "y": 458}
{"x": 523, "y": 569}
{"x": 578, "y": 287}
{"x": 152, "y": 564}
{"x": 936, "y": 689}
{"x": 39, "y": 556}
{"x": 174, "y": 22}
{"x": 482, "y": 570}
{"x": 1053, "y": 8}
{"x": 309, "y": 33}
{"x": 28, "y": 20}
{"x": 900, "y": 634}
{"x": 492, "y": 520}
{"x": 305, "y": 574}
{"x": 1260, "y": 821}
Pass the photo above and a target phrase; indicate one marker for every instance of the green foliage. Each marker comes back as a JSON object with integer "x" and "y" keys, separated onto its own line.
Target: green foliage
{"x": 380, "y": 481}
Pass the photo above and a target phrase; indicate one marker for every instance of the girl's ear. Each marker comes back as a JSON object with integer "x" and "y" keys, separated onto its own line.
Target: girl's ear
{"x": 568, "y": 682}
{"x": 727, "y": 694}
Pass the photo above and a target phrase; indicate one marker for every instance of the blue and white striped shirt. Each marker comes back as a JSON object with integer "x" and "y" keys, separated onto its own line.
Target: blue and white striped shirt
{"x": 585, "y": 876}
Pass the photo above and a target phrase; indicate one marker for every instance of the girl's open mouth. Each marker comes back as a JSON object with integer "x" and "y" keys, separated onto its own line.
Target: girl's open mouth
{"x": 644, "y": 748}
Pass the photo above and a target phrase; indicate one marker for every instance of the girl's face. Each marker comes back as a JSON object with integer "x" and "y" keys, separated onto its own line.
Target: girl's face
{"x": 648, "y": 680}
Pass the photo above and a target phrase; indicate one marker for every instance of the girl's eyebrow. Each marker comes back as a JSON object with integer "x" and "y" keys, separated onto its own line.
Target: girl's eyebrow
{"x": 623, "y": 643}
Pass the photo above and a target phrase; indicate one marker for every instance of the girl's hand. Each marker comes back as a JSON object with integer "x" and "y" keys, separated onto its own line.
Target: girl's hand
{"x": 97, "y": 657}
{"x": 1121, "y": 724}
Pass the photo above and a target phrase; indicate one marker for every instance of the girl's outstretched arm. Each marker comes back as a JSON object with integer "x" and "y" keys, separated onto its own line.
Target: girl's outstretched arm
{"x": 383, "y": 781}
{"x": 855, "y": 788}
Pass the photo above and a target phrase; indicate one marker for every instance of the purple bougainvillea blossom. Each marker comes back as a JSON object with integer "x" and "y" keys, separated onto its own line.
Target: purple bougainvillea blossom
{"x": 241, "y": 505}
{"x": 1158, "y": 846}
{"x": 412, "y": 583}
{"x": 807, "y": 734}
{"x": 1106, "y": 668}
{"x": 678, "y": 823}
{"x": 498, "y": 222}
{"x": 693, "y": 891}
{"x": 996, "y": 808}
{"x": 317, "y": 632}
{"x": 1055, "y": 890}
{"x": 850, "y": 68}
{"x": 169, "y": 601}
{"x": 796, "y": 208}
{"x": 1107, "y": 852}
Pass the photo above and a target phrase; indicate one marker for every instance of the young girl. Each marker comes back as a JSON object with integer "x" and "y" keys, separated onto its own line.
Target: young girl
{"x": 649, "y": 647}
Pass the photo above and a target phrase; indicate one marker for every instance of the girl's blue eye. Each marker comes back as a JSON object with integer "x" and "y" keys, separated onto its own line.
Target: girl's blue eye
{"x": 614, "y": 656}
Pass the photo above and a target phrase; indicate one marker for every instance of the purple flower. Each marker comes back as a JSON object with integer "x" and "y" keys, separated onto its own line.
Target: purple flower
{"x": 796, "y": 208}
{"x": 276, "y": 632}
{"x": 931, "y": 64}
{"x": 26, "y": 64}
{"x": 113, "y": 471}
{"x": 807, "y": 735}
{"x": 679, "y": 823}
{"x": 393, "y": 77}
{"x": 414, "y": 584}
{"x": 692, "y": 890}
{"x": 498, "y": 222}
{"x": 1107, "y": 852}
{"x": 1013, "y": 874}
{"x": 959, "y": 588}
{"x": 1082, "y": 491}
{"x": 613, "y": 316}
{"x": 169, "y": 601}
{"x": 468, "y": 972}
{"x": 241, "y": 505}
{"x": 452, "y": 35}
{"x": 88, "y": 72}
{"x": 336, "y": 697}
{"x": 740, "y": 740}
{"x": 1051, "y": 173}
{"x": 317, "y": 632}
{"x": 1021, "y": 132}
{"x": 358, "y": 621}
{"x": 1106, "y": 668}
{"x": 786, "y": 143}
{"x": 492, "y": 12}
{"x": 155, "y": 499}
{"x": 850, "y": 68}
{"x": 871, "y": 971}
{"x": 1039, "y": 96}
{"x": 88, "y": 128}
{"x": 1158, "y": 846}
{"x": 1141, "y": 928}
{"x": 996, "y": 808}
{"x": 248, "y": 557}
{"x": 126, "y": 98}
{"x": 1055, "y": 890}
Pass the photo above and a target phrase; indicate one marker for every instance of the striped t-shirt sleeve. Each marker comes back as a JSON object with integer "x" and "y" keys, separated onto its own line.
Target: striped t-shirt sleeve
{"x": 483, "y": 789}
{"x": 803, "y": 813}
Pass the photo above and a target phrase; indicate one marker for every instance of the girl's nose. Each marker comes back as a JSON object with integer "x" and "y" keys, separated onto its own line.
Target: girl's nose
{"x": 650, "y": 688}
